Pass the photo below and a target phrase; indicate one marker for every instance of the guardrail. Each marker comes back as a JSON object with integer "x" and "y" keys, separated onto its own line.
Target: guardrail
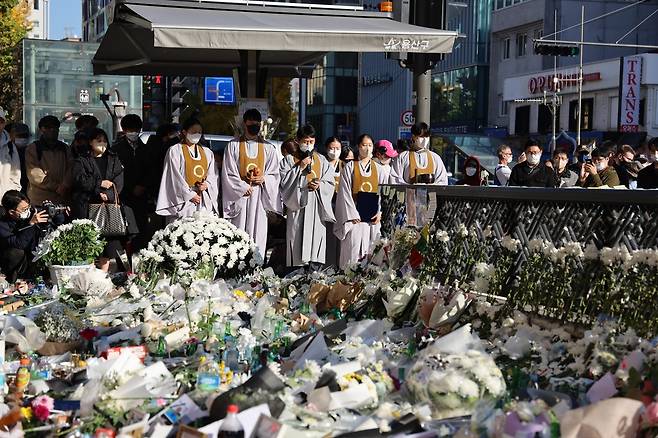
{"x": 483, "y": 238}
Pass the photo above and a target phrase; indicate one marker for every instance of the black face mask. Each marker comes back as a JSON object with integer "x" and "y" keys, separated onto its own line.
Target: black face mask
{"x": 253, "y": 129}
{"x": 50, "y": 137}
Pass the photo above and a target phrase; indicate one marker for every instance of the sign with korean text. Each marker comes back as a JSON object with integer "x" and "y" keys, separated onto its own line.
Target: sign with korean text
{"x": 629, "y": 93}
{"x": 406, "y": 44}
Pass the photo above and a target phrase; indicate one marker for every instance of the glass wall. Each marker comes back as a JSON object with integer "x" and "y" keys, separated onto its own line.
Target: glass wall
{"x": 58, "y": 77}
{"x": 459, "y": 98}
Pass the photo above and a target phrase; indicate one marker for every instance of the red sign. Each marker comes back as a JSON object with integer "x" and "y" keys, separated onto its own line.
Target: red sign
{"x": 139, "y": 350}
{"x": 547, "y": 83}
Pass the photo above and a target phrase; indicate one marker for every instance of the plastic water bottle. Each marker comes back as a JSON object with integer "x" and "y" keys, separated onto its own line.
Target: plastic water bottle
{"x": 231, "y": 426}
{"x": 209, "y": 376}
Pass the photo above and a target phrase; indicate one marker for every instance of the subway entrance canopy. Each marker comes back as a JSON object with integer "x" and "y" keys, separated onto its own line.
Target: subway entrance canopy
{"x": 212, "y": 37}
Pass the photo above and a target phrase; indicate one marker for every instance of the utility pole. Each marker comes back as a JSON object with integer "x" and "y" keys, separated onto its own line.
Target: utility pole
{"x": 422, "y": 88}
{"x": 555, "y": 85}
{"x": 580, "y": 74}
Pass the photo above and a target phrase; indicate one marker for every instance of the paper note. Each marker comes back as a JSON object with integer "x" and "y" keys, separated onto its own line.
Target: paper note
{"x": 603, "y": 389}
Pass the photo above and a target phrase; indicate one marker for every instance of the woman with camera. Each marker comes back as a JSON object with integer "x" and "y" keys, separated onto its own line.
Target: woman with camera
{"x": 97, "y": 179}
{"x": 357, "y": 204}
{"x": 306, "y": 188}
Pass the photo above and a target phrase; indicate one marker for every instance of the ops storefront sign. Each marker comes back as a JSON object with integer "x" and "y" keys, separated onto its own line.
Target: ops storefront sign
{"x": 539, "y": 84}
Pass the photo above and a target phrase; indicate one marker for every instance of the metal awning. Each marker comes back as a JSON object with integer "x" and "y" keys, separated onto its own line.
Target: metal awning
{"x": 210, "y": 38}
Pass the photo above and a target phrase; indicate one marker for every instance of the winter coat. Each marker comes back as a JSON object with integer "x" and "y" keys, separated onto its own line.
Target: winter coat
{"x": 87, "y": 182}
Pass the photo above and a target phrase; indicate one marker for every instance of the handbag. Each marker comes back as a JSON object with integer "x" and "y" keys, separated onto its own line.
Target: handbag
{"x": 109, "y": 217}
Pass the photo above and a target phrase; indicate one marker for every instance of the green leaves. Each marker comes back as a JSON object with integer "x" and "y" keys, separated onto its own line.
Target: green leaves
{"x": 75, "y": 244}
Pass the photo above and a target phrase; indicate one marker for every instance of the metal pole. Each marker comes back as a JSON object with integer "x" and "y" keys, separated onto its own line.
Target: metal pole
{"x": 553, "y": 106}
{"x": 422, "y": 87}
{"x": 580, "y": 73}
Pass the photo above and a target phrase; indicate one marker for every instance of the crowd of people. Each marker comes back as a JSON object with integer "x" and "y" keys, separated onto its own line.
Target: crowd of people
{"x": 328, "y": 194}
{"x": 607, "y": 165}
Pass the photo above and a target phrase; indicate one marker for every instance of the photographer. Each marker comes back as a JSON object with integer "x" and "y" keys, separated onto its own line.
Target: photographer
{"x": 19, "y": 234}
{"x": 596, "y": 172}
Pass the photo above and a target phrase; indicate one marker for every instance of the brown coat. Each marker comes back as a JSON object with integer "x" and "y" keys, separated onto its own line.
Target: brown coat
{"x": 47, "y": 171}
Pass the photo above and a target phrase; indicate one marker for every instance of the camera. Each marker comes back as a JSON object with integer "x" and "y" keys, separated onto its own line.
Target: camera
{"x": 301, "y": 155}
{"x": 51, "y": 209}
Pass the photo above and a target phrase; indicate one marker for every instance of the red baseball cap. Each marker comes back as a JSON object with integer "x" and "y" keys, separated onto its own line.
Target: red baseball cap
{"x": 390, "y": 150}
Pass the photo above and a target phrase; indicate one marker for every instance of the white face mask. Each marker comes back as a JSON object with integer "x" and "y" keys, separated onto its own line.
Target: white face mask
{"x": 601, "y": 166}
{"x": 193, "y": 138}
{"x": 99, "y": 148}
{"x": 533, "y": 159}
{"x": 422, "y": 142}
{"x": 365, "y": 152}
{"x": 132, "y": 136}
{"x": 470, "y": 171}
{"x": 21, "y": 142}
{"x": 653, "y": 157}
{"x": 304, "y": 147}
{"x": 25, "y": 215}
{"x": 562, "y": 164}
{"x": 333, "y": 154}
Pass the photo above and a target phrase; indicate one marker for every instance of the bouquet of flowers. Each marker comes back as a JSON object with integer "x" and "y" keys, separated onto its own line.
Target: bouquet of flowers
{"x": 77, "y": 243}
{"x": 452, "y": 384}
{"x": 202, "y": 244}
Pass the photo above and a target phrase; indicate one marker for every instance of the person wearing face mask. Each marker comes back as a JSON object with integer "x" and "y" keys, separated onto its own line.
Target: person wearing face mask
{"x": 19, "y": 234}
{"x": 250, "y": 181}
{"x": 84, "y": 123}
{"x": 10, "y": 161}
{"x": 564, "y": 177}
{"x": 598, "y": 173}
{"x": 358, "y": 211}
{"x": 532, "y": 172}
{"x": 626, "y": 167}
{"x": 419, "y": 164}
{"x": 137, "y": 164}
{"x": 189, "y": 181}
{"x": 335, "y": 157}
{"x": 97, "y": 178}
{"x": 502, "y": 171}
{"x": 647, "y": 178}
{"x": 472, "y": 173}
{"x": 49, "y": 163}
{"x": 384, "y": 154}
{"x": 19, "y": 136}
{"x": 307, "y": 186}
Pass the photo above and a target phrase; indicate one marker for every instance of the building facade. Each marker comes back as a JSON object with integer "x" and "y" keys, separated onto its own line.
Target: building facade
{"x": 516, "y": 23}
{"x": 460, "y": 81}
{"x": 58, "y": 80}
{"x": 600, "y": 98}
{"x": 96, "y": 17}
{"x": 39, "y": 19}
{"x": 331, "y": 96}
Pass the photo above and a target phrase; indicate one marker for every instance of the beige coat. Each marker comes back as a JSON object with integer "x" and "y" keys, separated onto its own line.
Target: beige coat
{"x": 48, "y": 173}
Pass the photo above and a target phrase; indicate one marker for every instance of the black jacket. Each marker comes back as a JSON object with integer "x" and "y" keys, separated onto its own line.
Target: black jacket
{"x": 136, "y": 168}
{"x": 87, "y": 180}
{"x": 648, "y": 177}
{"x": 18, "y": 235}
{"x": 539, "y": 176}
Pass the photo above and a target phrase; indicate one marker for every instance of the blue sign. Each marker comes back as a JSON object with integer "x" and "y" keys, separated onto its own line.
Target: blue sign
{"x": 219, "y": 90}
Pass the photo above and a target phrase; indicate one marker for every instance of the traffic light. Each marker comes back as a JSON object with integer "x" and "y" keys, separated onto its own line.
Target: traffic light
{"x": 555, "y": 50}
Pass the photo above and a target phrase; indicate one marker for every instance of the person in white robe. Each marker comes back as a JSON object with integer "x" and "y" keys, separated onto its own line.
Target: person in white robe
{"x": 307, "y": 186}
{"x": 189, "y": 179}
{"x": 250, "y": 181}
{"x": 411, "y": 167}
{"x": 364, "y": 175}
{"x": 336, "y": 155}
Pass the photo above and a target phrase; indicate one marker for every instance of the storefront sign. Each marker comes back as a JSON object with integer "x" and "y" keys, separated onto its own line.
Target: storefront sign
{"x": 539, "y": 84}
{"x": 629, "y": 94}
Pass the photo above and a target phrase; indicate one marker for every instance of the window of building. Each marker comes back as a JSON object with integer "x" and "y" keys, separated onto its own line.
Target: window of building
{"x": 587, "y": 118}
{"x": 521, "y": 44}
{"x": 522, "y": 124}
{"x": 504, "y": 107}
{"x": 507, "y": 44}
{"x": 36, "y": 5}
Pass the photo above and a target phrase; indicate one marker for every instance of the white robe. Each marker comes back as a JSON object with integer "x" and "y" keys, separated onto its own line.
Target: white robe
{"x": 10, "y": 167}
{"x": 175, "y": 194}
{"x": 306, "y": 231}
{"x": 356, "y": 239}
{"x": 400, "y": 167}
{"x": 250, "y": 213}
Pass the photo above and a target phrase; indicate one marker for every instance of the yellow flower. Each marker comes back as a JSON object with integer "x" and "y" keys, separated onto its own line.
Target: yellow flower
{"x": 259, "y": 294}
{"x": 239, "y": 294}
{"x": 26, "y": 413}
